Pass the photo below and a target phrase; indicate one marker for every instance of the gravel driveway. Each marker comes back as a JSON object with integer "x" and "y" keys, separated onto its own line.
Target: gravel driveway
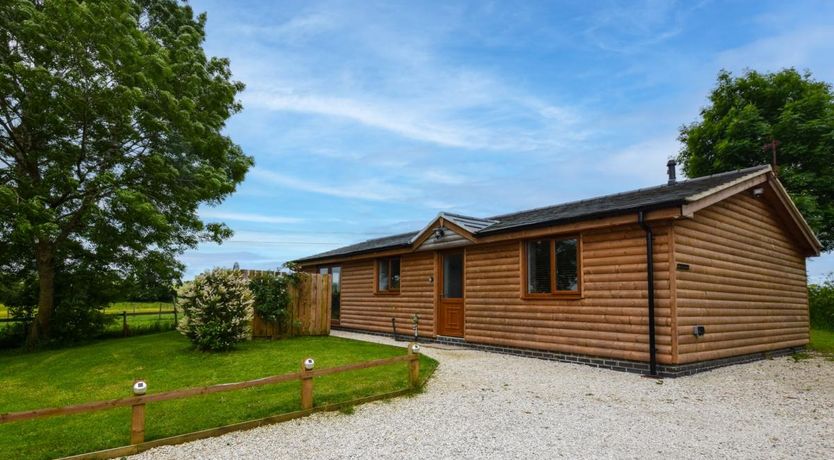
{"x": 482, "y": 405}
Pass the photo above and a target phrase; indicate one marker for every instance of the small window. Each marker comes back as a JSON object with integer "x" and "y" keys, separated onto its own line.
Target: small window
{"x": 552, "y": 266}
{"x": 388, "y": 275}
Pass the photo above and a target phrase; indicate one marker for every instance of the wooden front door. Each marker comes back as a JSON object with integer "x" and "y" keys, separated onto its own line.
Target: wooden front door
{"x": 450, "y": 297}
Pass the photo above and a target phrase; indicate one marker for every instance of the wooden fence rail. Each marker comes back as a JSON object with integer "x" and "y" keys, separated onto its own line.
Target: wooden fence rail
{"x": 305, "y": 376}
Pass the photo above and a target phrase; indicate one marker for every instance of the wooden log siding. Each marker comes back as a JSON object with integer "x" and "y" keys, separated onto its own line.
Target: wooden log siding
{"x": 746, "y": 282}
{"x": 361, "y": 308}
{"x": 611, "y": 318}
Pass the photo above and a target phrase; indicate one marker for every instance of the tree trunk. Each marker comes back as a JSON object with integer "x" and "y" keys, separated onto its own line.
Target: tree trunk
{"x": 46, "y": 294}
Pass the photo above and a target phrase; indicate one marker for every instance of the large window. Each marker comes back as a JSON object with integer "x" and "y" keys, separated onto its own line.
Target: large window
{"x": 388, "y": 275}
{"x": 335, "y": 290}
{"x": 552, "y": 267}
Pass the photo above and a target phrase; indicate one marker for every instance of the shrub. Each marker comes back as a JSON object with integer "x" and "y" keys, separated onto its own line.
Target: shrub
{"x": 272, "y": 296}
{"x": 217, "y": 309}
{"x": 821, "y": 304}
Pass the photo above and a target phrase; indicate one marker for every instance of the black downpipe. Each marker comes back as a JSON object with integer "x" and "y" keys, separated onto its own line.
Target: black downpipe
{"x": 394, "y": 327}
{"x": 650, "y": 278}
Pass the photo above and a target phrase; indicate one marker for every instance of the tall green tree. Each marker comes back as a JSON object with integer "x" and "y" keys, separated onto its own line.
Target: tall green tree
{"x": 748, "y": 114}
{"x": 111, "y": 121}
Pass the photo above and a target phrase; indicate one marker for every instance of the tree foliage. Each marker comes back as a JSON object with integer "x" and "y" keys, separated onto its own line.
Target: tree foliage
{"x": 111, "y": 121}
{"x": 746, "y": 113}
{"x": 821, "y": 304}
{"x": 217, "y": 309}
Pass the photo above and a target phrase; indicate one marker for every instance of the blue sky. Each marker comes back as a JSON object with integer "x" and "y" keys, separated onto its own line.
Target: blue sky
{"x": 368, "y": 118}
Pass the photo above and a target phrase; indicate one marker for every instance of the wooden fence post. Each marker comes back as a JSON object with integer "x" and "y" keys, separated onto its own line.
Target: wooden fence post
{"x": 307, "y": 384}
{"x": 137, "y": 418}
{"x": 414, "y": 365}
{"x": 124, "y": 323}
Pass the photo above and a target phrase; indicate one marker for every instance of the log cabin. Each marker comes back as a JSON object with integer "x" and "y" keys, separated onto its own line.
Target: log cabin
{"x": 666, "y": 281}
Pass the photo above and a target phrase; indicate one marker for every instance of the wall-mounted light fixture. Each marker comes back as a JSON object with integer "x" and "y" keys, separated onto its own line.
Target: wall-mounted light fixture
{"x": 758, "y": 192}
{"x": 439, "y": 232}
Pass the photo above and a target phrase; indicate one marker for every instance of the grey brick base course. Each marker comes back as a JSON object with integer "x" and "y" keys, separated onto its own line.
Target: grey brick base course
{"x": 636, "y": 367}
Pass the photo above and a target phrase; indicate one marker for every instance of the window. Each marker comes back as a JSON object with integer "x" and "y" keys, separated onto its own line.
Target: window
{"x": 335, "y": 289}
{"x": 388, "y": 275}
{"x": 552, "y": 267}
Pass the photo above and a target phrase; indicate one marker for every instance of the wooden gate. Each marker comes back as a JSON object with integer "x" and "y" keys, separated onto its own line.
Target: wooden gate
{"x": 309, "y": 310}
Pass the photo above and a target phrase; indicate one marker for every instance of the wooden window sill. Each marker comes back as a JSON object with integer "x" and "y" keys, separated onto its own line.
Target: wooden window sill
{"x": 387, "y": 293}
{"x": 557, "y": 296}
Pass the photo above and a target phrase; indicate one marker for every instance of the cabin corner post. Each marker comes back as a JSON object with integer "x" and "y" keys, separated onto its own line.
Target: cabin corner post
{"x": 650, "y": 288}
{"x": 673, "y": 292}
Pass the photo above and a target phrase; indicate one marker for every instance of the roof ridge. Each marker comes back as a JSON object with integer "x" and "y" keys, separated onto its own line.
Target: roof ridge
{"x": 464, "y": 216}
{"x": 643, "y": 189}
{"x": 388, "y": 236}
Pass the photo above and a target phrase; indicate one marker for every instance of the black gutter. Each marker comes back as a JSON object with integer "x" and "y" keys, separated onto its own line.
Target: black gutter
{"x": 650, "y": 285}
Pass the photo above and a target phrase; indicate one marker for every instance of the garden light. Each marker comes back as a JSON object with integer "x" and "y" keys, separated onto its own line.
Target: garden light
{"x": 309, "y": 363}
{"x": 140, "y": 388}
{"x": 415, "y": 348}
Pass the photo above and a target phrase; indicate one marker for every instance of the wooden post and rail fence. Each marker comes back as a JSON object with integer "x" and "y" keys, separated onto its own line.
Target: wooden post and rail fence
{"x": 137, "y": 402}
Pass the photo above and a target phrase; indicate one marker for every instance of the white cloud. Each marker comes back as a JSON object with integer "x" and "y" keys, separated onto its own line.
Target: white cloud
{"x": 293, "y": 32}
{"x": 384, "y": 73}
{"x": 300, "y": 238}
{"x": 795, "y": 48}
{"x": 247, "y": 217}
{"x": 364, "y": 189}
{"x": 401, "y": 121}
{"x": 439, "y": 176}
{"x": 631, "y": 26}
{"x": 645, "y": 160}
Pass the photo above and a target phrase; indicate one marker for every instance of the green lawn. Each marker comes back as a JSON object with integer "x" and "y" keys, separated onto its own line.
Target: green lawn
{"x": 106, "y": 369}
{"x": 822, "y": 341}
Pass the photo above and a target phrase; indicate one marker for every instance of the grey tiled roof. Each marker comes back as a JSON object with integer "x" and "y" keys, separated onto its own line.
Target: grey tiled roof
{"x": 473, "y": 224}
{"x": 661, "y": 196}
{"x": 620, "y": 203}
{"x": 388, "y": 242}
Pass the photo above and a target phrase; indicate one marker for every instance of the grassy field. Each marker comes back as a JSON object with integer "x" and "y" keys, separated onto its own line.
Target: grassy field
{"x": 106, "y": 370}
{"x": 143, "y": 323}
{"x": 136, "y": 324}
{"x": 822, "y": 341}
{"x": 119, "y": 307}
